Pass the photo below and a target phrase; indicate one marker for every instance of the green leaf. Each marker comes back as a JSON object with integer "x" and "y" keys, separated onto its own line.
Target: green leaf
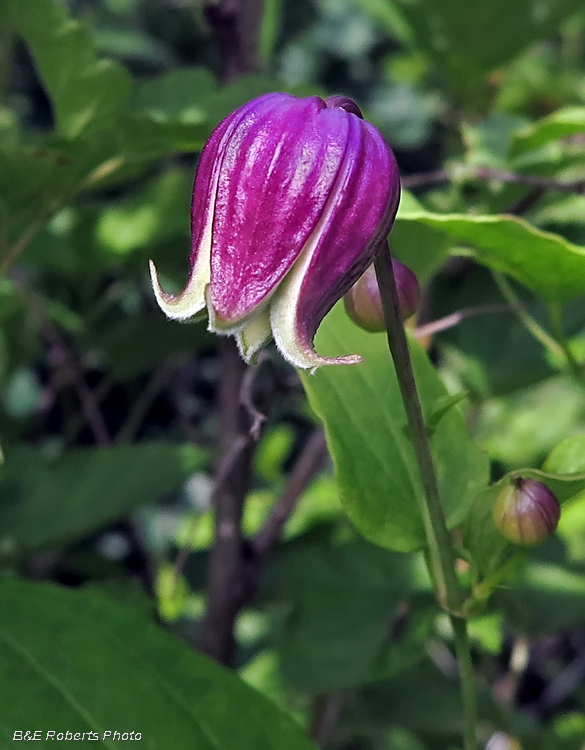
{"x": 488, "y": 355}
{"x": 568, "y": 209}
{"x": 571, "y": 528}
{"x": 488, "y": 142}
{"x": 521, "y": 428}
{"x": 364, "y": 420}
{"x": 546, "y": 263}
{"x": 423, "y": 700}
{"x": 441, "y": 407}
{"x": 389, "y": 15}
{"x": 343, "y": 600}
{"x": 561, "y": 124}
{"x": 568, "y": 457}
{"x": 79, "y": 662}
{"x": 137, "y": 344}
{"x": 157, "y": 213}
{"x": 175, "y": 109}
{"x": 51, "y": 502}
{"x": 87, "y": 93}
{"x": 455, "y": 41}
{"x": 422, "y": 248}
{"x": 544, "y": 598}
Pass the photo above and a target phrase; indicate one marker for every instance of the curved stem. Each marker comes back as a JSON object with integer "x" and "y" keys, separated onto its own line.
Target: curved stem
{"x": 13, "y": 252}
{"x": 438, "y": 538}
{"x": 440, "y": 550}
{"x": 449, "y": 321}
{"x": 556, "y": 319}
{"x": 531, "y": 324}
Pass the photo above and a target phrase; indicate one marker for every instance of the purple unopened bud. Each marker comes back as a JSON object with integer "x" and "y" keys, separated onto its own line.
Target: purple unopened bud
{"x": 363, "y": 302}
{"x": 292, "y": 198}
{"x": 526, "y": 512}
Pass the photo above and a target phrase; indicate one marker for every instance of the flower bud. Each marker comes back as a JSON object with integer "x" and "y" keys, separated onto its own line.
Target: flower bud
{"x": 291, "y": 201}
{"x": 526, "y": 512}
{"x": 363, "y": 302}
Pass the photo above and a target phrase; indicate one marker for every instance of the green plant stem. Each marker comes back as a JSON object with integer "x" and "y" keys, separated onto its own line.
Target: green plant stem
{"x": 467, "y": 679}
{"x": 530, "y": 323}
{"x": 441, "y": 558}
{"x": 556, "y": 319}
{"x": 482, "y": 591}
{"x": 438, "y": 538}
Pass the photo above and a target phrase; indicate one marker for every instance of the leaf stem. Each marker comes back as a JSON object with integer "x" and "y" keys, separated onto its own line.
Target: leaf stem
{"x": 556, "y": 319}
{"x": 13, "y": 252}
{"x": 441, "y": 557}
{"x": 531, "y": 324}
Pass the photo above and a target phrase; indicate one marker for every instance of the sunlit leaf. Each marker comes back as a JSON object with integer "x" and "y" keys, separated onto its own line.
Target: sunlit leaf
{"x": 546, "y": 263}
{"x": 365, "y": 425}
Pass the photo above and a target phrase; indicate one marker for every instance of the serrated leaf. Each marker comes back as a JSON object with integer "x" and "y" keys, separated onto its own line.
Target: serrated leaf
{"x": 364, "y": 420}
{"x": 76, "y": 661}
{"x": 47, "y": 502}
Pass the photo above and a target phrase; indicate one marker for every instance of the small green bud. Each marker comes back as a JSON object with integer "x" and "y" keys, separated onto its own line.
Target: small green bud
{"x": 526, "y": 512}
{"x": 363, "y": 303}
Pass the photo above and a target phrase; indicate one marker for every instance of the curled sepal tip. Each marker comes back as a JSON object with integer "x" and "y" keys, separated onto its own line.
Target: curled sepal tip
{"x": 184, "y": 306}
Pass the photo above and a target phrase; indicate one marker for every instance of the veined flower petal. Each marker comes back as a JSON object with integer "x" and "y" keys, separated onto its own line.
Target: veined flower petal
{"x": 356, "y": 219}
{"x": 191, "y": 301}
{"x": 292, "y": 199}
{"x": 277, "y": 173}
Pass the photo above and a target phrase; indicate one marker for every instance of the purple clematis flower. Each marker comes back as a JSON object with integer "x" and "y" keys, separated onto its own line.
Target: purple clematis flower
{"x": 292, "y": 199}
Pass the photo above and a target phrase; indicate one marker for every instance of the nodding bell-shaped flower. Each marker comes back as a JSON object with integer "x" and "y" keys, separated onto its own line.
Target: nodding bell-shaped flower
{"x": 292, "y": 199}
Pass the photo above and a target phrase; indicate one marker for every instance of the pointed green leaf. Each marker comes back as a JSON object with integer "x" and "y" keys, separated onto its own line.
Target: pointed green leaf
{"x": 342, "y": 599}
{"x": 422, "y": 248}
{"x": 76, "y": 661}
{"x": 365, "y": 422}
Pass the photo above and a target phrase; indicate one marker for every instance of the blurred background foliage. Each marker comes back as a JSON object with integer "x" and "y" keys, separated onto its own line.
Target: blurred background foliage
{"x": 107, "y": 411}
